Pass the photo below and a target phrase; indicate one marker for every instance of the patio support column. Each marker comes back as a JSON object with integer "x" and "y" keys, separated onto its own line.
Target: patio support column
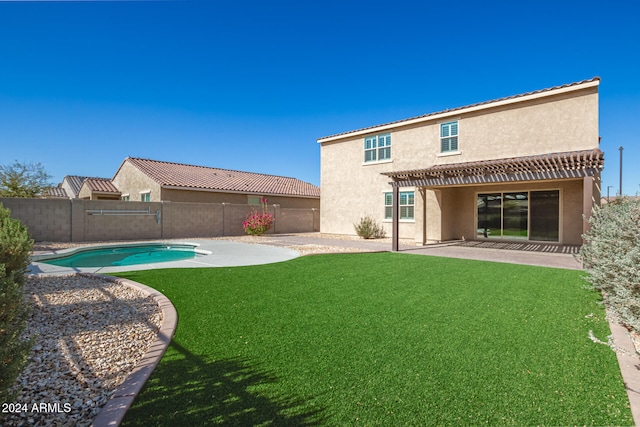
{"x": 587, "y": 201}
{"x": 395, "y": 215}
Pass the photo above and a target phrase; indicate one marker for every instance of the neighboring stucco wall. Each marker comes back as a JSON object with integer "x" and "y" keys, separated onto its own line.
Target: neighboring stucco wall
{"x": 195, "y": 196}
{"x": 130, "y": 180}
{"x": 67, "y": 188}
{"x": 548, "y": 124}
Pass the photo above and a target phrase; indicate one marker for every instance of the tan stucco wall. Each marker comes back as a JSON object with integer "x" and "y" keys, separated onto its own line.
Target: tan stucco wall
{"x": 217, "y": 197}
{"x": 548, "y": 124}
{"x": 130, "y": 180}
{"x": 460, "y": 209}
{"x": 65, "y": 185}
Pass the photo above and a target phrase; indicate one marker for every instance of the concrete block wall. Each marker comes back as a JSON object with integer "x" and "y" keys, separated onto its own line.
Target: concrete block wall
{"x": 46, "y": 220}
{"x": 78, "y": 220}
{"x": 192, "y": 219}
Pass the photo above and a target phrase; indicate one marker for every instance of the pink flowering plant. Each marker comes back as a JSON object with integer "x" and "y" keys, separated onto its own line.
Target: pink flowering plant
{"x": 258, "y": 223}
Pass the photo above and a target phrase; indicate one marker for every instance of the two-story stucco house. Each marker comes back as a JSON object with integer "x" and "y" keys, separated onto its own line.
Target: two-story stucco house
{"x": 521, "y": 168}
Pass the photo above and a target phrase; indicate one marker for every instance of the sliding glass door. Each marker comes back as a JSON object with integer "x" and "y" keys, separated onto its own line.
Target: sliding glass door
{"x": 523, "y": 215}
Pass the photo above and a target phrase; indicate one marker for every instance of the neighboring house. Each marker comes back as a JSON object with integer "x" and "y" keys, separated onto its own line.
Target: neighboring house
{"x": 521, "y": 168}
{"x": 152, "y": 180}
{"x": 83, "y": 187}
{"x": 72, "y": 184}
{"x": 54, "y": 193}
{"x": 98, "y": 189}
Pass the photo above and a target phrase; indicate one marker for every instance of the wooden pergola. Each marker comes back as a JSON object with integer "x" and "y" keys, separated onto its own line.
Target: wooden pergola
{"x": 584, "y": 164}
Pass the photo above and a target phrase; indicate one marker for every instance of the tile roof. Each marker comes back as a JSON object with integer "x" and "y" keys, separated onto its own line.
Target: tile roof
{"x": 169, "y": 174}
{"x": 101, "y": 185}
{"x": 552, "y": 162}
{"x": 75, "y": 182}
{"x": 479, "y": 104}
{"x": 53, "y": 192}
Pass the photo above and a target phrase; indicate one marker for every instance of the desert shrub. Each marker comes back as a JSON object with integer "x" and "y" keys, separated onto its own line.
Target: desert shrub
{"x": 258, "y": 223}
{"x": 15, "y": 246}
{"x": 611, "y": 256}
{"x": 368, "y": 228}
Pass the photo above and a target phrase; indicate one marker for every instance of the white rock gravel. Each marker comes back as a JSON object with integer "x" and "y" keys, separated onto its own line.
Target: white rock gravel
{"x": 88, "y": 334}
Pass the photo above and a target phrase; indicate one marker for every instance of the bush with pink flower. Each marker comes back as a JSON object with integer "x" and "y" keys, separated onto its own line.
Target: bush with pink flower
{"x": 258, "y": 223}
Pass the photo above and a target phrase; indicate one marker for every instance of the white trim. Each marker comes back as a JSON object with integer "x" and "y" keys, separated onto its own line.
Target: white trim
{"x": 449, "y": 153}
{"x": 377, "y": 162}
{"x": 447, "y": 114}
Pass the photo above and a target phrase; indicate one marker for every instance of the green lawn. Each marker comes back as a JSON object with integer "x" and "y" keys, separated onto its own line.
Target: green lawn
{"x": 382, "y": 339}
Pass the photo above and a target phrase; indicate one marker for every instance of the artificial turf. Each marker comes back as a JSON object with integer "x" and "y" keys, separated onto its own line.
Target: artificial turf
{"x": 382, "y": 339}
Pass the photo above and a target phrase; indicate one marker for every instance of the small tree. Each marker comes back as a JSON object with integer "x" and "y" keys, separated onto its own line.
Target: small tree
{"x": 23, "y": 179}
{"x": 15, "y": 246}
{"x": 368, "y": 228}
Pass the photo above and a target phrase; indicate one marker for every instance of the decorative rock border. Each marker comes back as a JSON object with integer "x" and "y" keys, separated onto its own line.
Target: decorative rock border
{"x": 115, "y": 409}
{"x": 629, "y": 365}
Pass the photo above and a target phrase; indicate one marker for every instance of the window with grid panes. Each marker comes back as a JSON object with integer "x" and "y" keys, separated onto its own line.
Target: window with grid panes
{"x": 407, "y": 203}
{"x": 449, "y": 137}
{"x": 377, "y": 147}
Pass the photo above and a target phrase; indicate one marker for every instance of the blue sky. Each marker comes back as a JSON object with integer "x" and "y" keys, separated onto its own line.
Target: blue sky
{"x": 251, "y": 85}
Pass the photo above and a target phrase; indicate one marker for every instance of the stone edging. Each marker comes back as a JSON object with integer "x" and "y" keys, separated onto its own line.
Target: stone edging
{"x": 629, "y": 364}
{"x": 116, "y": 407}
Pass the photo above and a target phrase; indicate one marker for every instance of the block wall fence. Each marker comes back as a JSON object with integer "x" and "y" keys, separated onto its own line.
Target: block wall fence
{"x": 78, "y": 220}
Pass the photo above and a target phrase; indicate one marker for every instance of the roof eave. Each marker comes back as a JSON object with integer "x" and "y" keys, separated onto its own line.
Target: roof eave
{"x": 250, "y": 193}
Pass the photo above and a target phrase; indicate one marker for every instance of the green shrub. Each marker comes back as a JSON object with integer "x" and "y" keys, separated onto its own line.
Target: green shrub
{"x": 368, "y": 228}
{"x": 611, "y": 256}
{"x": 15, "y": 246}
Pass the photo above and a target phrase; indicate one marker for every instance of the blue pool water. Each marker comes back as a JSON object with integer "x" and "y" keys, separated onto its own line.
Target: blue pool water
{"x": 125, "y": 255}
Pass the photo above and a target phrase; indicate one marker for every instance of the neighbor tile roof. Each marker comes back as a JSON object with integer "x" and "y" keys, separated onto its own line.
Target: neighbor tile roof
{"x": 169, "y": 174}
{"x": 75, "y": 182}
{"x": 55, "y": 192}
{"x": 101, "y": 185}
{"x": 449, "y": 110}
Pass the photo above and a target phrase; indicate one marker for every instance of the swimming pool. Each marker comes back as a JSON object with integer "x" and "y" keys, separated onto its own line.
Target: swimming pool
{"x": 121, "y": 255}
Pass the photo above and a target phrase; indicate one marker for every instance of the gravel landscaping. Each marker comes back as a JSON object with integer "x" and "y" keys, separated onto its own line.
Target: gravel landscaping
{"x": 88, "y": 336}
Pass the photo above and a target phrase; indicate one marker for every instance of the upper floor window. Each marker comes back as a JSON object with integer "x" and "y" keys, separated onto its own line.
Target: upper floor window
{"x": 145, "y": 197}
{"x": 449, "y": 137}
{"x": 377, "y": 147}
{"x": 126, "y": 197}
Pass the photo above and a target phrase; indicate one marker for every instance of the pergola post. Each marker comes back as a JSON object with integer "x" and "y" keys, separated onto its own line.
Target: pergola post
{"x": 587, "y": 201}
{"x": 395, "y": 219}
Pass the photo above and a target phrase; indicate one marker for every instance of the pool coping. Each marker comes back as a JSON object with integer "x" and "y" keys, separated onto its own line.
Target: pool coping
{"x": 113, "y": 412}
{"x": 212, "y": 253}
{"x": 73, "y": 251}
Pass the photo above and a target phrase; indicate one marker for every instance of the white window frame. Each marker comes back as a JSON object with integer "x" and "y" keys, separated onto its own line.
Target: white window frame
{"x": 448, "y": 136}
{"x": 125, "y": 197}
{"x": 147, "y": 194}
{"x": 377, "y": 148}
{"x": 408, "y": 207}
